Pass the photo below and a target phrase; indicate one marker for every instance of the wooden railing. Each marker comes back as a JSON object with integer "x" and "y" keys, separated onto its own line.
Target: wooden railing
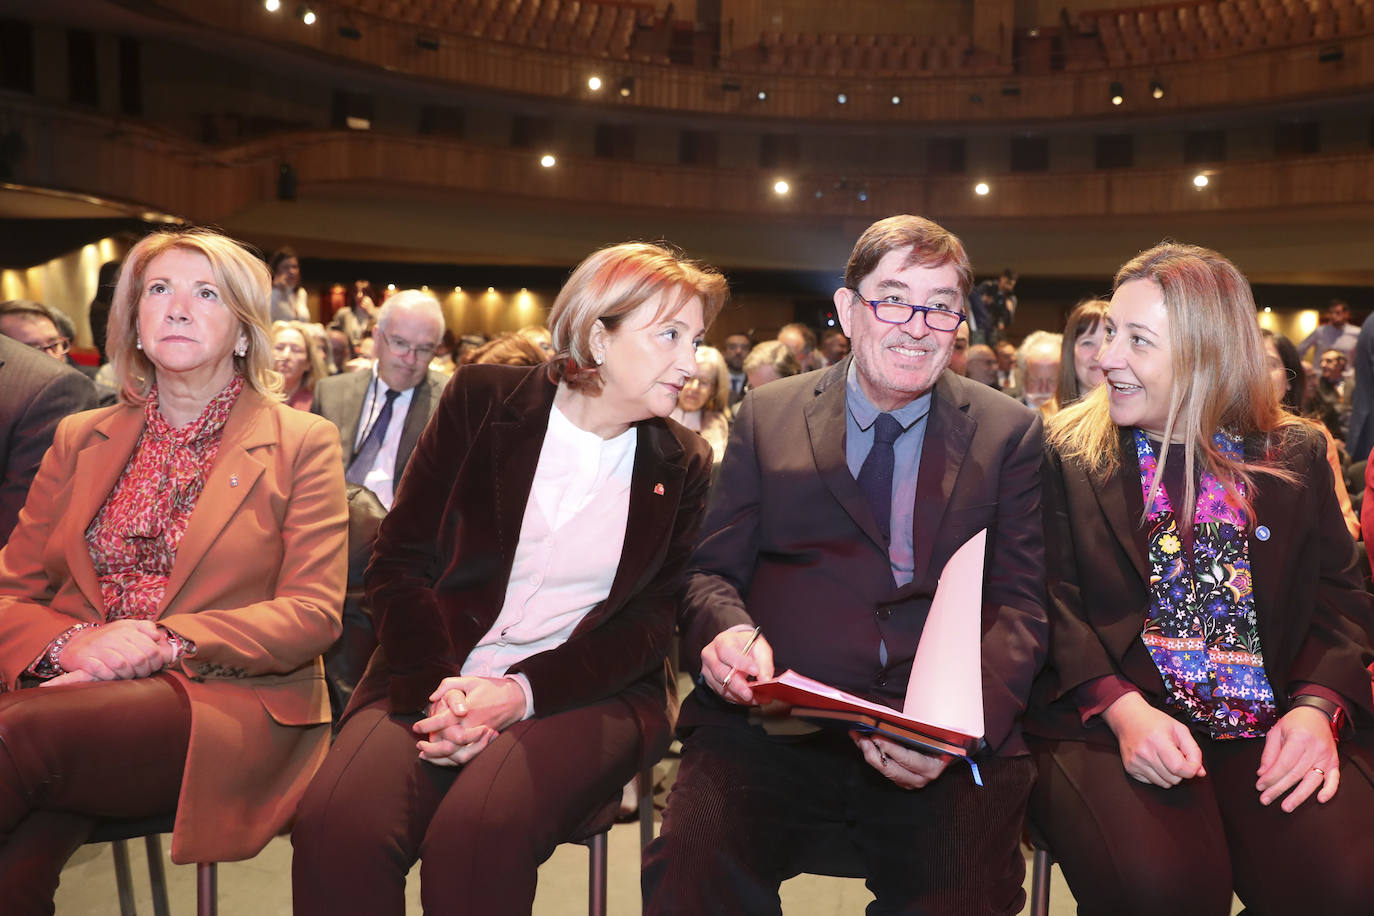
{"x": 91, "y": 154}
{"x": 1247, "y": 77}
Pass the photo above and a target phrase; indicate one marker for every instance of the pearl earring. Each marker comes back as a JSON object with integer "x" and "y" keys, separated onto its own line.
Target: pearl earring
{"x": 138, "y": 343}
{"x": 241, "y": 349}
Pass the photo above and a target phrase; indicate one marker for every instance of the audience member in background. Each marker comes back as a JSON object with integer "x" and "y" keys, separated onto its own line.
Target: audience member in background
{"x": 1079, "y": 370}
{"x": 801, "y": 340}
{"x": 358, "y": 313}
{"x": 50, "y": 331}
{"x": 737, "y": 347}
{"x": 1331, "y": 402}
{"x": 509, "y": 349}
{"x": 298, "y": 358}
{"x": 468, "y": 344}
{"x": 768, "y": 362}
{"x": 35, "y": 393}
{"x": 834, "y": 346}
{"x": 958, "y": 357}
{"x": 289, "y": 299}
{"x": 380, "y": 412}
{"x": 1360, "y": 433}
{"x": 340, "y": 350}
{"x": 996, "y": 306}
{"x": 524, "y": 588}
{"x": 1335, "y": 333}
{"x": 1008, "y": 373}
{"x": 1037, "y": 362}
{"x": 1209, "y": 630}
{"x": 445, "y": 356}
{"x": 539, "y": 335}
{"x": 703, "y": 403}
{"x": 982, "y": 365}
{"x": 1285, "y": 369}
{"x": 364, "y": 353}
{"x": 99, "y": 312}
{"x": 175, "y": 575}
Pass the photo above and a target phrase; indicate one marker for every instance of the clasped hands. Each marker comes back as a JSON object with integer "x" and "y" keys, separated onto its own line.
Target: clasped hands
{"x": 905, "y": 767}
{"x": 1299, "y": 752}
{"x": 464, "y": 715}
{"x": 118, "y": 650}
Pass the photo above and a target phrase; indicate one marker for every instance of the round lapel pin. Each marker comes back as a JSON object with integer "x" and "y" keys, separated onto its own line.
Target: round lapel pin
{"x": 1262, "y": 533}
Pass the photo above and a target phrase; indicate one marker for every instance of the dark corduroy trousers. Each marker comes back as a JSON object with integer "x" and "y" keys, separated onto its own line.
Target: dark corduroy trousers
{"x": 749, "y": 811}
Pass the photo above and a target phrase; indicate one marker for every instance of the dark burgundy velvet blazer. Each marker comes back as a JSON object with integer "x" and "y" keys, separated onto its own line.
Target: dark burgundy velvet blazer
{"x": 443, "y": 556}
{"x": 1314, "y": 615}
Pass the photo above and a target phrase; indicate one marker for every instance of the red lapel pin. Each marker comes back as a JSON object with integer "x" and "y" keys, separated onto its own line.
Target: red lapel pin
{"x": 658, "y": 489}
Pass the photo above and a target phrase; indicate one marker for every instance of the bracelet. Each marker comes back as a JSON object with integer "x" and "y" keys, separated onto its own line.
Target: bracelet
{"x": 50, "y": 665}
{"x": 1334, "y": 712}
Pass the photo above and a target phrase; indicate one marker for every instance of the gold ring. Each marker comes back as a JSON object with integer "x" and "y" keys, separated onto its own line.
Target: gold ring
{"x": 1319, "y": 771}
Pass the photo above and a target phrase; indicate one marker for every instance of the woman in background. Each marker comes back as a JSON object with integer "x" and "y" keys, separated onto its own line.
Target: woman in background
{"x": 297, "y": 356}
{"x": 176, "y": 573}
{"x": 524, "y": 590}
{"x": 702, "y": 405}
{"x": 1209, "y": 633}
{"x": 289, "y": 300}
{"x": 1079, "y": 369}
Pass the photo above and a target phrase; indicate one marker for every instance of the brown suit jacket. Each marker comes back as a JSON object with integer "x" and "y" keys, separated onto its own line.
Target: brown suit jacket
{"x": 443, "y": 556}
{"x": 1314, "y": 617}
{"x": 257, "y": 585}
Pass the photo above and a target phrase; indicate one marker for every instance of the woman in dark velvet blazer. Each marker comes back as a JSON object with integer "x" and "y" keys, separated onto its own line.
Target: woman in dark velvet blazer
{"x": 1204, "y": 722}
{"x": 523, "y": 589}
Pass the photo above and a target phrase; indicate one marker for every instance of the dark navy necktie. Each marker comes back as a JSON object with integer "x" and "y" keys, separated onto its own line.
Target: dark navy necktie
{"x": 875, "y": 477}
{"x": 367, "y": 455}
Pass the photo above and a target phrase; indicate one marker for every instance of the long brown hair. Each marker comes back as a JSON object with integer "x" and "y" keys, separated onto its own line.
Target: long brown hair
{"x": 1220, "y": 379}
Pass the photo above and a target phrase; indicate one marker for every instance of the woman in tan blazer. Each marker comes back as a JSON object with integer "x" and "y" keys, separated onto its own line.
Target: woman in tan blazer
{"x": 176, "y": 573}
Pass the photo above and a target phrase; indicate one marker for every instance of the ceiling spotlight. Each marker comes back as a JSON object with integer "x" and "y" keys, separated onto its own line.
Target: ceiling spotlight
{"x": 1268, "y": 310}
{"x": 842, "y": 98}
{"x": 627, "y": 86}
{"x": 1118, "y": 94}
{"x": 491, "y": 289}
{"x": 896, "y": 100}
{"x": 981, "y": 189}
{"x": 594, "y": 83}
{"x": 1200, "y": 180}
{"x": 548, "y": 161}
{"x": 308, "y": 15}
{"x": 862, "y": 196}
{"x": 391, "y": 287}
{"x": 763, "y": 95}
{"x": 271, "y": 5}
{"x": 781, "y": 187}
{"x": 1156, "y": 89}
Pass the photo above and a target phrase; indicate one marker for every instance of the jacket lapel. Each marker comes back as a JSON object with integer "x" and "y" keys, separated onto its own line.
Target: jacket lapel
{"x": 516, "y": 441}
{"x": 232, "y": 477}
{"x": 949, "y": 431}
{"x": 827, "y": 420}
{"x": 351, "y": 415}
{"x": 98, "y": 467}
{"x": 421, "y": 406}
{"x": 1118, "y": 494}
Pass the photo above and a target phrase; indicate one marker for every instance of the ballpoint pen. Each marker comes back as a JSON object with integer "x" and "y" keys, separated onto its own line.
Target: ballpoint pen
{"x": 747, "y": 646}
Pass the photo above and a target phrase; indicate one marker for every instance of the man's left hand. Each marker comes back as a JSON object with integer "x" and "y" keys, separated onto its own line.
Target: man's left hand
{"x": 907, "y": 768}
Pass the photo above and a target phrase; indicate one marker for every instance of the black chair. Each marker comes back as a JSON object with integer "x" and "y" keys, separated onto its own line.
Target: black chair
{"x": 118, "y": 832}
{"x": 595, "y": 834}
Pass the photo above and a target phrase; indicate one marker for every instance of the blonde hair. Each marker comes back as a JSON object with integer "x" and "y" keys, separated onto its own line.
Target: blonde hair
{"x": 709, "y": 358}
{"x": 608, "y": 286}
{"x": 245, "y": 289}
{"x": 1220, "y": 383}
{"x": 315, "y": 365}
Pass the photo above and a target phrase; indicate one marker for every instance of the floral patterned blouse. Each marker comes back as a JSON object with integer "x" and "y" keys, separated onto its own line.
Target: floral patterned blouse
{"x": 133, "y": 539}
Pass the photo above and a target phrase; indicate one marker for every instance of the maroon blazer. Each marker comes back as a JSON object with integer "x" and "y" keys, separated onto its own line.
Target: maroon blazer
{"x": 1314, "y": 616}
{"x": 443, "y": 556}
{"x": 790, "y": 544}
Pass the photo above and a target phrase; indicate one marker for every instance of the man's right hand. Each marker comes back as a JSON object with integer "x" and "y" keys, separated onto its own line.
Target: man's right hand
{"x": 1156, "y": 748}
{"x": 726, "y": 651}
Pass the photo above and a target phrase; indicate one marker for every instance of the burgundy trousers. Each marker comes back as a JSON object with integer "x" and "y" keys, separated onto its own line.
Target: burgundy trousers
{"x": 72, "y": 755}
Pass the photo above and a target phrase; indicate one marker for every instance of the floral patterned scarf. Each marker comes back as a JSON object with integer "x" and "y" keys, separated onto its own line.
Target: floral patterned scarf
{"x": 1201, "y": 630}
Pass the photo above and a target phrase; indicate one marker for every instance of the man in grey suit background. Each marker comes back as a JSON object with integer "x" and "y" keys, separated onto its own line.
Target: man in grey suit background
{"x": 35, "y": 393}
{"x": 380, "y": 414}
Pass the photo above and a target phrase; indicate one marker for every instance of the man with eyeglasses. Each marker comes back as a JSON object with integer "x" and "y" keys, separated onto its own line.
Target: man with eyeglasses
{"x": 380, "y": 413}
{"x": 841, "y": 497}
{"x": 32, "y": 325}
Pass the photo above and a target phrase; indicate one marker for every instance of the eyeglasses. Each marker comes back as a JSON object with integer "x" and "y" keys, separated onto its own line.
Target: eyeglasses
{"x": 58, "y": 347}
{"x": 404, "y": 347}
{"x": 936, "y": 318}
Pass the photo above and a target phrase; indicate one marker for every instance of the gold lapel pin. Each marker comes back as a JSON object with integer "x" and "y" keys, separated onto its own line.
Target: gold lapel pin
{"x": 658, "y": 489}
{"x": 233, "y": 480}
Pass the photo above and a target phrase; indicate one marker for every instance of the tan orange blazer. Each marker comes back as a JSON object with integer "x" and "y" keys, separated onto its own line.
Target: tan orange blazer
{"x": 257, "y": 584}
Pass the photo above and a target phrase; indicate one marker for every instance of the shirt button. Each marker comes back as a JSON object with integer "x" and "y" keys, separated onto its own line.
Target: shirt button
{"x": 883, "y": 613}
{"x": 880, "y": 680}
